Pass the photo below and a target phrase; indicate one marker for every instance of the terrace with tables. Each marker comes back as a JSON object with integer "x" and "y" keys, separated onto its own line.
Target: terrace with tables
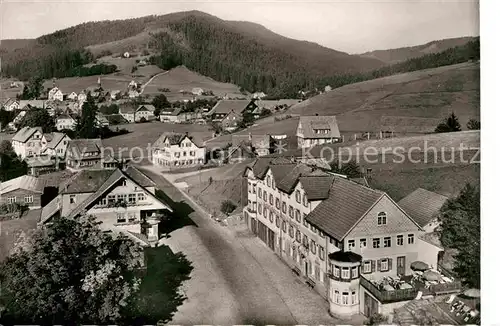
{"x": 463, "y": 308}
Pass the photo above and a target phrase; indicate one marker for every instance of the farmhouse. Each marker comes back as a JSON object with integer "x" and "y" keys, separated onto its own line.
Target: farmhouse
{"x": 133, "y": 94}
{"x": 260, "y": 145}
{"x": 65, "y": 122}
{"x": 88, "y": 154}
{"x": 101, "y": 120}
{"x": 341, "y": 237}
{"x": 55, "y": 94}
{"x": 170, "y": 115}
{"x": 28, "y": 142}
{"x": 197, "y": 91}
{"x": 174, "y": 150}
{"x": 25, "y": 190}
{"x": 38, "y": 165}
{"x": 82, "y": 97}
{"x": 10, "y": 105}
{"x": 236, "y": 108}
{"x": 317, "y": 130}
{"x": 424, "y": 206}
{"x": 122, "y": 201}
{"x": 55, "y": 144}
{"x": 134, "y": 113}
{"x": 72, "y": 96}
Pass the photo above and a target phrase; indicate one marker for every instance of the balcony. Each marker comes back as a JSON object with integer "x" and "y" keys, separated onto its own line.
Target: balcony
{"x": 388, "y": 296}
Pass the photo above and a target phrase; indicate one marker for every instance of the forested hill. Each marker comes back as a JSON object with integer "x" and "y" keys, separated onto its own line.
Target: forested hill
{"x": 242, "y": 53}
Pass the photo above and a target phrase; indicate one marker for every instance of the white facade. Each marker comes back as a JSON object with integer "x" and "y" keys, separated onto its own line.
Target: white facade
{"x": 55, "y": 94}
{"x": 184, "y": 154}
{"x": 31, "y": 147}
{"x": 59, "y": 150}
{"x": 65, "y": 123}
{"x": 73, "y": 96}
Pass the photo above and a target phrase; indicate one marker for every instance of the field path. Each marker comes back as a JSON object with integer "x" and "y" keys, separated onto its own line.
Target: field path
{"x": 151, "y": 79}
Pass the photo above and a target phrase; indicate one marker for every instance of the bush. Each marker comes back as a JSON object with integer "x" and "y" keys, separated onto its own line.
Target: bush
{"x": 377, "y": 319}
{"x": 227, "y": 207}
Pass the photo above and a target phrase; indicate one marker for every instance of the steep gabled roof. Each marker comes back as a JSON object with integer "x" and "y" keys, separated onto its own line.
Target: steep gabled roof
{"x": 84, "y": 181}
{"x": 148, "y": 107}
{"x": 346, "y": 204}
{"x": 26, "y": 182}
{"x": 54, "y": 138}
{"x": 139, "y": 177}
{"x": 81, "y": 146}
{"x": 174, "y": 138}
{"x": 311, "y": 123}
{"x": 226, "y": 106}
{"x": 25, "y": 104}
{"x": 25, "y": 134}
{"x": 422, "y": 205}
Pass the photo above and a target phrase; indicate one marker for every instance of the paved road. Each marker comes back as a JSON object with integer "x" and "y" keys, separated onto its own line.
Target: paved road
{"x": 236, "y": 279}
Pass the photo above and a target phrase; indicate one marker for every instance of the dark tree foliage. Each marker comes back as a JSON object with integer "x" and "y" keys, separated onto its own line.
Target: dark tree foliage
{"x": 32, "y": 89}
{"x": 6, "y": 117}
{"x": 10, "y": 165}
{"x": 37, "y": 117}
{"x": 450, "y": 124}
{"x": 227, "y": 207}
{"x": 160, "y": 102}
{"x": 349, "y": 169}
{"x": 109, "y": 109}
{"x": 461, "y": 230}
{"x": 473, "y": 124}
{"x": 100, "y": 69}
{"x": 86, "y": 125}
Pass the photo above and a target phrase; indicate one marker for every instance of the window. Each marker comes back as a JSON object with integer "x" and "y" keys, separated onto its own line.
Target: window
{"x": 411, "y": 238}
{"x": 321, "y": 253}
{"x": 384, "y": 265}
{"x": 367, "y": 267}
{"x": 351, "y": 244}
{"x": 305, "y": 241}
{"x": 11, "y": 200}
{"x": 120, "y": 198}
{"x": 313, "y": 247}
{"x": 260, "y": 208}
{"x": 345, "y": 273}
{"x": 131, "y": 217}
{"x": 274, "y": 184}
{"x": 362, "y": 243}
{"x": 336, "y": 271}
{"x": 354, "y": 272}
{"x": 192, "y": 153}
{"x": 337, "y": 296}
{"x": 321, "y": 233}
{"x": 268, "y": 181}
{"x": 291, "y": 231}
{"x": 71, "y": 199}
{"x": 103, "y": 201}
{"x": 271, "y": 199}
{"x": 277, "y": 222}
{"x": 265, "y": 212}
{"x": 304, "y": 200}
{"x": 387, "y": 242}
{"x": 376, "y": 243}
{"x": 290, "y": 211}
{"x": 283, "y": 226}
{"x": 253, "y": 188}
{"x": 297, "y": 215}
{"x": 260, "y": 192}
{"x": 277, "y": 203}
{"x": 345, "y": 298}
{"x": 28, "y": 199}
{"x": 298, "y": 236}
{"x": 297, "y": 196}
{"x": 120, "y": 218}
{"x": 382, "y": 218}
{"x": 354, "y": 297}
{"x": 124, "y": 182}
{"x": 265, "y": 195}
{"x": 271, "y": 216}
{"x": 141, "y": 196}
{"x": 132, "y": 198}
{"x": 111, "y": 199}
{"x": 283, "y": 208}
{"x": 399, "y": 240}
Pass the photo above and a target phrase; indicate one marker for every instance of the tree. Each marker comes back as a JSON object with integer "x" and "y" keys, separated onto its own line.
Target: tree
{"x": 227, "y": 207}
{"x": 6, "y": 117}
{"x": 460, "y": 230}
{"x": 265, "y": 112}
{"x": 160, "y": 102}
{"x": 86, "y": 124}
{"x": 70, "y": 272}
{"x": 109, "y": 109}
{"x": 450, "y": 124}
{"x": 10, "y": 165}
{"x": 473, "y": 124}
{"x": 37, "y": 117}
{"x": 32, "y": 89}
{"x": 349, "y": 169}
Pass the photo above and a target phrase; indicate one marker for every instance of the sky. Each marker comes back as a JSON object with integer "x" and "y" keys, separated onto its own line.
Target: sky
{"x": 353, "y": 26}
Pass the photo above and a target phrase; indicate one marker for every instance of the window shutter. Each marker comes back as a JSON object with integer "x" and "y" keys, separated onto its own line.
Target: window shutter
{"x": 373, "y": 266}
{"x": 390, "y": 263}
{"x": 378, "y": 265}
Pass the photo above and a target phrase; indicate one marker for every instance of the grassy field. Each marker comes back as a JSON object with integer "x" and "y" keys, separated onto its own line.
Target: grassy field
{"x": 7, "y": 92}
{"x": 181, "y": 78}
{"x": 143, "y": 134}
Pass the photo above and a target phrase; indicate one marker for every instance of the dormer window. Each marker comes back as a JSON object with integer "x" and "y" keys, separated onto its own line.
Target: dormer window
{"x": 297, "y": 196}
{"x": 382, "y": 218}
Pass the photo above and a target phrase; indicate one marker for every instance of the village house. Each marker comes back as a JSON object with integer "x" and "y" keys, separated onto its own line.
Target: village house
{"x": 342, "y": 238}
{"x": 258, "y": 95}
{"x": 55, "y": 94}
{"x": 10, "y": 105}
{"x": 82, "y": 97}
{"x": 24, "y": 190}
{"x": 55, "y": 144}
{"x": 30, "y": 104}
{"x": 88, "y": 154}
{"x": 235, "y": 108}
{"x": 28, "y": 142}
{"x": 72, "y": 96}
{"x": 424, "y": 206}
{"x": 317, "y": 130}
{"x": 122, "y": 201}
{"x": 132, "y": 84}
{"x": 65, "y": 122}
{"x": 175, "y": 150}
{"x": 197, "y": 91}
{"x": 17, "y": 120}
{"x": 171, "y": 115}
{"x": 146, "y": 111}
{"x": 127, "y": 111}
{"x": 115, "y": 94}
{"x": 133, "y": 94}
{"x": 260, "y": 145}
{"x": 38, "y": 165}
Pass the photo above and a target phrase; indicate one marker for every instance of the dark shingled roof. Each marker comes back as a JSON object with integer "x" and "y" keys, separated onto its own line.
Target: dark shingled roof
{"x": 139, "y": 177}
{"x": 84, "y": 181}
{"x": 422, "y": 205}
{"x": 310, "y": 123}
{"x": 345, "y": 256}
{"x": 25, "y": 133}
{"x": 347, "y": 203}
{"x": 77, "y": 147}
{"x": 175, "y": 139}
{"x": 226, "y": 106}
{"x": 317, "y": 187}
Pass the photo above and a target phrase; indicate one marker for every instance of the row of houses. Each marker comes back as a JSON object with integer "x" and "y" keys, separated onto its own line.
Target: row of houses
{"x": 342, "y": 237}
